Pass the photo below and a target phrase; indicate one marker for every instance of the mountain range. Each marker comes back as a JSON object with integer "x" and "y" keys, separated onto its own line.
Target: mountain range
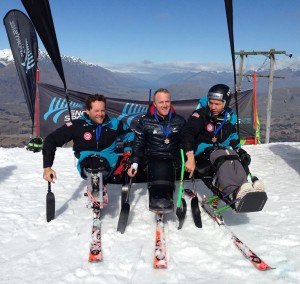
{"x": 91, "y": 78}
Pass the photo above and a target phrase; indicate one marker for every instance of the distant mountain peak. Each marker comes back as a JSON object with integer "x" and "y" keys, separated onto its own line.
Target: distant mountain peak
{"x": 66, "y": 58}
{"x": 160, "y": 70}
{"x": 6, "y": 56}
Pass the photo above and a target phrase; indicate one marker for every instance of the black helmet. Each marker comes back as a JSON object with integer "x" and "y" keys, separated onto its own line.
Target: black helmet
{"x": 220, "y": 92}
{"x": 35, "y": 144}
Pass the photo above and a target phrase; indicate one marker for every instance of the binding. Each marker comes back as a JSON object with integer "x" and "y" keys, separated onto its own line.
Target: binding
{"x": 96, "y": 189}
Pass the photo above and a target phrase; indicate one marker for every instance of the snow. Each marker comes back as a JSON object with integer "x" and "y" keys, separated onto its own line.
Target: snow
{"x": 6, "y": 56}
{"x": 34, "y": 251}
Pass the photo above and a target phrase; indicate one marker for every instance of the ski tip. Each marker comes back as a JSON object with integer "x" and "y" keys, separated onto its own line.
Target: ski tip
{"x": 264, "y": 267}
{"x": 121, "y": 229}
{"x": 260, "y": 264}
{"x": 123, "y": 218}
{"x": 160, "y": 266}
{"x": 50, "y": 206}
{"x": 180, "y": 225}
{"x": 270, "y": 268}
{"x": 95, "y": 258}
{"x": 160, "y": 263}
{"x": 198, "y": 223}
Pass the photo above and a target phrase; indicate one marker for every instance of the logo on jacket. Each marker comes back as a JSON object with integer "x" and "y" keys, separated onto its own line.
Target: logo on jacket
{"x": 87, "y": 136}
{"x": 209, "y": 127}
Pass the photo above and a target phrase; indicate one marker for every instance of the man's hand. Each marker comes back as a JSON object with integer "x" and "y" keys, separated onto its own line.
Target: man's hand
{"x": 49, "y": 174}
{"x": 132, "y": 171}
{"x": 190, "y": 164}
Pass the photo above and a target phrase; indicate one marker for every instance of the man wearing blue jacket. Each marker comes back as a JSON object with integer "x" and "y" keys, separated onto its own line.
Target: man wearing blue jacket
{"x": 212, "y": 144}
{"x": 94, "y": 136}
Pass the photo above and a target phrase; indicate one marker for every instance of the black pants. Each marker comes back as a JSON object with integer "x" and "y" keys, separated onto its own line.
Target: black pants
{"x": 161, "y": 175}
{"x": 203, "y": 164}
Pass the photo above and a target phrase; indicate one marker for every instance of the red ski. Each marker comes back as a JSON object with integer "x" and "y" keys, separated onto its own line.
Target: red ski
{"x": 98, "y": 199}
{"x": 160, "y": 253}
{"x": 249, "y": 254}
{"x": 95, "y": 248}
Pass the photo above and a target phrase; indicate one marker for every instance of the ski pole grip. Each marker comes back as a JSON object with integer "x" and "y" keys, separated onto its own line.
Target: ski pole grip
{"x": 49, "y": 183}
{"x": 182, "y": 165}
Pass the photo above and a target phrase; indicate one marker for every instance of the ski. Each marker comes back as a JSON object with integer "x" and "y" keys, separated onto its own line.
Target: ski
{"x": 95, "y": 254}
{"x": 50, "y": 204}
{"x": 181, "y": 204}
{"x": 125, "y": 207}
{"x": 196, "y": 213}
{"x": 160, "y": 253}
{"x": 212, "y": 211}
{"x": 249, "y": 254}
{"x": 97, "y": 199}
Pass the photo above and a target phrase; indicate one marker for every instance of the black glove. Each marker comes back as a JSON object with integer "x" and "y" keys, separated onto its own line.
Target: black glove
{"x": 244, "y": 156}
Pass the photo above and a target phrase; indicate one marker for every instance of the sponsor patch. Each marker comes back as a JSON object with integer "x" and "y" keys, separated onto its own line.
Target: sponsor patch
{"x": 209, "y": 127}
{"x": 196, "y": 114}
{"x": 87, "y": 136}
{"x": 69, "y": 123}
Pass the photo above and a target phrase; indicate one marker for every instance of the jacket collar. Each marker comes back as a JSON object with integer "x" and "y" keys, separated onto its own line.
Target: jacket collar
{"x": 86, "y": 118}
{"x": 151, "y": 111}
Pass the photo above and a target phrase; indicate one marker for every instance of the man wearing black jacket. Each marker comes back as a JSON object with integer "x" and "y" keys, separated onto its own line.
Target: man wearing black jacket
{"x": 94, "y": 137}
{"x": 157, "y": 144}
{"x": 211, "y": 143}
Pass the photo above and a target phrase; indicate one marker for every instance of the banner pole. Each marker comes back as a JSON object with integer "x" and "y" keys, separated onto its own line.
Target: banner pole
{"x": 255, "y": 114}
{"x": 37, "y": 125}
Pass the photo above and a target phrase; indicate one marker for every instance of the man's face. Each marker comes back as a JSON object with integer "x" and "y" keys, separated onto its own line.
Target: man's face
{"x": 162, "y": 103}
{"x": 216, "y": 106}
{"x": 97, "y": 112}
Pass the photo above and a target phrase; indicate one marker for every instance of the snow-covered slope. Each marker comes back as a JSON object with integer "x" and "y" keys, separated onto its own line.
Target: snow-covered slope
{"x": 34, "y": 251}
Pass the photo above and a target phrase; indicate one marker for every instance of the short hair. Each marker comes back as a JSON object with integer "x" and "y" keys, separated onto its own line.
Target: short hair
{"x": 160, "y": 90}
{"x": 93, "y": 98}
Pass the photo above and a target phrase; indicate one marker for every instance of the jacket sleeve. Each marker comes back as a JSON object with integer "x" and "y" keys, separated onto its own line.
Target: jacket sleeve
{"x": 126, "y": 135}
{"x": 139, "y": 144}
{"x": 55, "y": 139}
{"x": 234, "y": 137}
{"x": 190, "y": 131}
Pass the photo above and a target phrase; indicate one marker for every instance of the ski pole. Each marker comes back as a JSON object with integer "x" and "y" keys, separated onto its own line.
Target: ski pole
{"x": 181, "y": 179}
{"x": 181, "y": 204}
{"x": 50, "y": 203}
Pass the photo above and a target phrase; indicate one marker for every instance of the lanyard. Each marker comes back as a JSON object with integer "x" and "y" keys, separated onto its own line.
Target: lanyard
{"x": 167, "y": 130}
{"x": 221, "y": 125}
{"x": 98, "y": 133}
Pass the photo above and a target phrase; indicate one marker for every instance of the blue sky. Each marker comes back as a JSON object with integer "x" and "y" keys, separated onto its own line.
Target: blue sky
{"x": 128, "y": 34}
